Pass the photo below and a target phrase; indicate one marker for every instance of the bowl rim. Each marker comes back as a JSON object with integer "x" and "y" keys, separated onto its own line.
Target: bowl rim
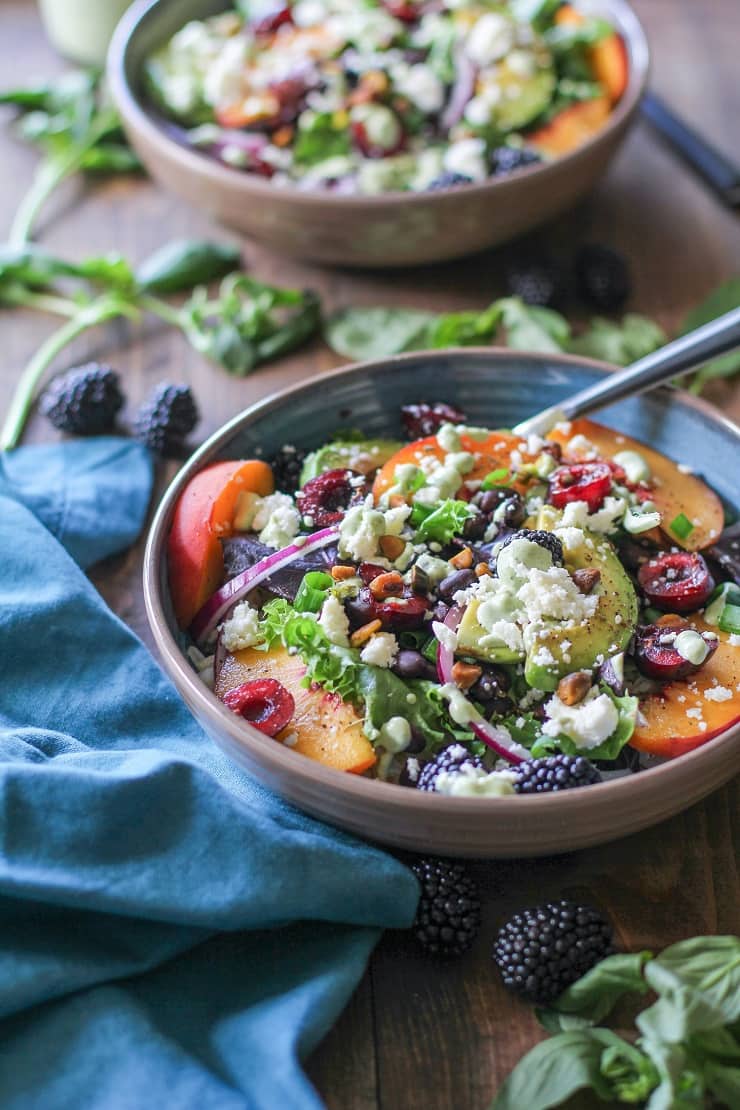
{"x": 135, "y": 116}
{"x": 381, "y": 795}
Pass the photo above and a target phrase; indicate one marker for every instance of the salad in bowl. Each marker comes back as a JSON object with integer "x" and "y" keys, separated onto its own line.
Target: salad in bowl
{"x": 469, "y": 613}
{"x": 374, "y": 96}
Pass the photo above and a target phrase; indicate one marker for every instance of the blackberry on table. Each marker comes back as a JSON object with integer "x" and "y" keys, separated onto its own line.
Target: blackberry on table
{"x": 541, "y": 951}
{"x": 453, "y": 760}
{"x": 166, "y": 418}
{"x": 84, "y": 401}
{"x": 548, "y": 540}
{"x": 538, "y": 281}
{"x": 286, "y": 468}
{"x": 553, "y": 773}
{"x": 602, "y": 276}
{"x": 448, "y": 917}
{"x": 504, "y": 159}
{"x": 448, "y": 180}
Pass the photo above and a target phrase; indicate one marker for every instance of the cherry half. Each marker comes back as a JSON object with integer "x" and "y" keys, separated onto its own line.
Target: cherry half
{"x": 676, "y": 582}
{"x": 327, "y": 497}
{"x": 589, "y": 482}
{"x": 265, "y": 703}
{"x": 402, "y": 612}
{"x": 656, "y": 656}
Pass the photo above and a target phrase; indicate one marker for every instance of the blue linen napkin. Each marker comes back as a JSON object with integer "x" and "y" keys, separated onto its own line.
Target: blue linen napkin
{"x": 171, "y": 934}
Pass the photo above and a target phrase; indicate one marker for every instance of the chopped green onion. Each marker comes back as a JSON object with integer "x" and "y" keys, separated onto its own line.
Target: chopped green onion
{"x": 730, "y": 619}
{"x": 430, "y": 649}
{"x": 312, "y": 591}
{"x": 496, "y": 478}
{"x": 681, "y": 526}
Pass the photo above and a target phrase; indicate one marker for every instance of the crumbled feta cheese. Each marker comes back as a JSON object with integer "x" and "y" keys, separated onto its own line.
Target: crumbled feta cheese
{"x": 587, "y": 724}
{"x": 412, "y": 768}
{"x": 490, "y": 38}
{"x": 277, "y": 520}
{"x": 394, "y": 519}
{"x": 734, "y": 639}
{"x": 242, "y": 629}
{"x": 718, "y": 693}
{"x": 359, "y": 532}
{"x": 380, "y": 650}
{"x": 446, "y": 636}
{"x": 604, "y": 519}
{"x": 467, "y": 157}
{"x": 581, "y": 448}
{"x": 421, "y": 85}
{"x": 334, "y": 621}
{"x": 552, "y": 594}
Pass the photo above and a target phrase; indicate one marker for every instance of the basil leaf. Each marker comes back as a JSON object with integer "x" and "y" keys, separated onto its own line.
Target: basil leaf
{"x": 619, "y": 344}
{"x": 722, "y": 299}
{"x": 723, "y": 1082}
{"x": 679, "y": 1085}
{"x": 710, "y": 965}
{"x": 363, "y": 333}
{"x": 465, "y": 329}
{"x": 556, "y": 1068}
{"x": 531, "y": 328}
{"x": 595, "y": 994}
{"x": 185, "y": 263}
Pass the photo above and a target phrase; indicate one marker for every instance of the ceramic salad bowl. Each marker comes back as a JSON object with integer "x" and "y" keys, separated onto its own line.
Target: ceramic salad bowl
{"x": 388, "y": 229}
{"x": 495, "y": 388}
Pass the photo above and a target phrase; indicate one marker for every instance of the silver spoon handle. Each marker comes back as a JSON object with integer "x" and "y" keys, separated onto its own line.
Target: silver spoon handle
{"x": 688, "y": 352}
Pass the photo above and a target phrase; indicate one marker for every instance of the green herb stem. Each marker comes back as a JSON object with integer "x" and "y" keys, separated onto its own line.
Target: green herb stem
{"x": 43, "y": 302}
{"x": 160, "y": 308}
{"x": 25, "y": 390}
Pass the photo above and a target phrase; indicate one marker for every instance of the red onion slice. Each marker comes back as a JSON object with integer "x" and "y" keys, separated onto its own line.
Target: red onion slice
{"x": 213, "y": 611}
{"x": 498, "y": 739}
{"x": 462, "y": 90}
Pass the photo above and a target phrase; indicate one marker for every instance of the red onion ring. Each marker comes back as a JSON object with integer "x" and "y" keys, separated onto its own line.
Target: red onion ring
{"x": 498, "y": 739}
{"x": 213, "y": 611}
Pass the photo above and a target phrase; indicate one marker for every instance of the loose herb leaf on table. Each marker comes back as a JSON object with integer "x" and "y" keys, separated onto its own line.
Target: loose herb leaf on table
{"x": 77, "y": 129}
{"x": 721, "y": 300}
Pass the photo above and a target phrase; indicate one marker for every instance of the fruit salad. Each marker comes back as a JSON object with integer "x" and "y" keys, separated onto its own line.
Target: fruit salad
{"x": 375, "y": 96}
{"x": 468, "y": 612}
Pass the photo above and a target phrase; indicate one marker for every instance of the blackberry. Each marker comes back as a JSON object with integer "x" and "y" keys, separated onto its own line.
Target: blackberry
{"x": 448, "y": 180}
{"x": 84, "y": 401}
{"x": 538, "y": 281}
{"x": 425, "y": 420}
{"x": 541, "y": 951}
{"x": 448, "y": 917}
{"x": 166, "y": 418}
{"x": 602, "y": 276}
{"x": 450, "y": 760}
{"x": 504, "y": 159}
{"x": 548, "y": 540}
{"x": 286, "y": 468}
{"x": 553, "y": 773}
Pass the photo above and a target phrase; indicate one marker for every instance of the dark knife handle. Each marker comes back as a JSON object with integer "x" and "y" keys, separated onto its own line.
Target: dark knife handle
{"x": 706, "y": 160}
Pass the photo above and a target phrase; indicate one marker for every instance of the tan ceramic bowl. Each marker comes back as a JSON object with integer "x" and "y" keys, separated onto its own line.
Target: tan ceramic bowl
{"x": 400, "y": 229}
{"x": 497, "y": 388}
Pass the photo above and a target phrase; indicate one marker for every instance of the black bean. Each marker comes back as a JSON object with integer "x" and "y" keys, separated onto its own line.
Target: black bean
{"x": 412, "y": 664}
{"x": 491, "y": 684}
{"x": 475, "y": 526}
{"x": 458, "y": 580}
{"x": 489, "y": 499}
{"x": 512, "y": 512}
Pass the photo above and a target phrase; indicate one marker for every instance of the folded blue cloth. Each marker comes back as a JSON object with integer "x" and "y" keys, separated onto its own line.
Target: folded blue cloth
{"x": 172, "y": 934}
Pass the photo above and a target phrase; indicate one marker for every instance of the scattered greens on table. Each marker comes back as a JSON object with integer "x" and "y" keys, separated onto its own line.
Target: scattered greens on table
{"x": 246, "y": 324}
{"x": 77, "y": 128}
{"x": 364, "y": 333}
{"x": 687, "y": 1050}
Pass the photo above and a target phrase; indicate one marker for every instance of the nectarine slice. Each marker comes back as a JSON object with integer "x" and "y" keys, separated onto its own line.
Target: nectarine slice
{"x": 674, "y": 491}
{"x": 608, "y": 58}
{"x": 674, "y": 716}
{"x": 324, "y": 728}
{"x": 572, "y": 127}
{"x": 204, "y": 512}
{"x": 492, "y": 453}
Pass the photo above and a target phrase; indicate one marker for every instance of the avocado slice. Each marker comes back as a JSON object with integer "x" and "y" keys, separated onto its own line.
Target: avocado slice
{"x": 606, "y": 633}
{"x": 524, "y": 97}
{"x": 364, "y": 456}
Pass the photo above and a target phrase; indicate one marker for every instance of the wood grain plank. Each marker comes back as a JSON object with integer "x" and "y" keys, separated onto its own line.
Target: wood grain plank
{"x": 418, "y": 1035}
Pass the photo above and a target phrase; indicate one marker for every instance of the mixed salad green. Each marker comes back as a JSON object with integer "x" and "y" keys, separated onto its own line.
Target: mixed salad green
{"x": 370, "y": 96}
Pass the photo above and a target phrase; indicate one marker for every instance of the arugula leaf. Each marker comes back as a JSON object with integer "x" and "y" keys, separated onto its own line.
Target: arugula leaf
{"x": 320, "y": 141}
{"x": 443, "y": 522}
{"x": 596, "y": 993}
{"x": 610, "y": 748}
{"x": 531, "y": 328}
{"x": 556, "y": 1068}
{"x": 364, "y": 333}
{"x": 720, "y": 300}
{"x": 386, "y": 695}
{"x": 620, "y": 344}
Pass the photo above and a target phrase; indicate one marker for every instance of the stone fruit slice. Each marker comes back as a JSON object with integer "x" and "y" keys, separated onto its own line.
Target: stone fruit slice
{"x": 491, "y": 453}
{"x": 323, "y": 727}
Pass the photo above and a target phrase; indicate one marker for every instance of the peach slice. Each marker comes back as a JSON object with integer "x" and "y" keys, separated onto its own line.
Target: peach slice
{"x": 674, "y": 491}
{"x": 204, "y": 512}
{"x": 572, "y": 127}
{"x": 324, "y": 728}
{"x": 608, "y": 58}
{"x": 492, "y": 453}
{"x": 672, "y": 717}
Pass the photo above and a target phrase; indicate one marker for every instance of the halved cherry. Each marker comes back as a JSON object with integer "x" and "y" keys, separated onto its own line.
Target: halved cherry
{"x": 397, "y": 613}
{"x": 405, "y": 10}
{"x": 656, "y": 656}
{"x": 426, "y": 420}
{"x": 372, "y": 149}
{"x": 327, "y": 496}
{"x": 265, "y": 703}
{"x": 269, "y": 23}
{"x": 368, "y": 572}
{"x": 676, "y": 581}
{"x": 589, "y": 482}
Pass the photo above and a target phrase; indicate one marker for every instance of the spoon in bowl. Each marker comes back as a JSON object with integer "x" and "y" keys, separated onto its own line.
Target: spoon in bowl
{"x": 686, "y": 353}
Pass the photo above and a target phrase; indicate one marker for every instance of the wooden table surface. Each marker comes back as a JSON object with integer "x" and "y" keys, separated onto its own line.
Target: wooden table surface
{"x": 417, "y": 1035}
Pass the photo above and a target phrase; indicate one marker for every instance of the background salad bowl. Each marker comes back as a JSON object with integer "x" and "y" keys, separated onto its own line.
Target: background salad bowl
{"x": 495, "y": 388}
{"x": 393, "y": 229}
